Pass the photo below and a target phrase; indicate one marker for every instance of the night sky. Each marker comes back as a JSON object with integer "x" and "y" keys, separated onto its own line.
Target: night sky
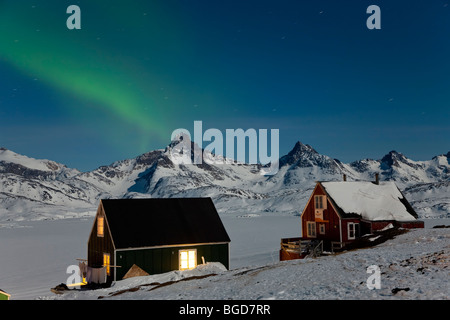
{"x": 137, "y": 70}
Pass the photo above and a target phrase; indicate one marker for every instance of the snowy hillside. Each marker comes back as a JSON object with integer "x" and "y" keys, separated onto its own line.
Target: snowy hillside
{"x": 413, "y": 266}
{"x": 30, "y": 188}
{"x": 43, "y": 189}
{"x": 429, "y": 198}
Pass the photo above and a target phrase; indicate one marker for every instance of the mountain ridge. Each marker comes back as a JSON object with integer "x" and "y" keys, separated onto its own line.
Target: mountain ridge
{"x": 29, "y": 187}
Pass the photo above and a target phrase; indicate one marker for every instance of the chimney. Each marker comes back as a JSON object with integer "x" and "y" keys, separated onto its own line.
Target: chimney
{"x": 377, "y": 178}
{"x": 345, "y": 177}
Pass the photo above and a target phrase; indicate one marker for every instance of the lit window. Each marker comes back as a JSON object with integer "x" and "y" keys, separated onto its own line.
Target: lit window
{"x": 100, "y": 226}
{"x": 188, "y": 259}
{"x": 107, "y": 262}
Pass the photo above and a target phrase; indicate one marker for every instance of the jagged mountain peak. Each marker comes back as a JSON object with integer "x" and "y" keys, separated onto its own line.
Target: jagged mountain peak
{"x": 177, "y": 145}
{"x": 299, "y": 152}
{"x": 443, "y": 159}
{"x": 394, "y": 153}
{"x": 148, "y": 157}
{"x": 393, "y": 158}
{"x": 303, "y": 148}
{"x": 177, "y": 140}
{"x": 303, "y": 155}
{"x": 154, "y": 174}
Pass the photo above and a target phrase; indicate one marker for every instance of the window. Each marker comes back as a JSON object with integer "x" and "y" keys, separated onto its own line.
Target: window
{"x": 107, "y": 262}
{"x": 320, "y": 202}
{"x": 188, "y": 259}
{"x": 311, "y": 229}
{"x": 353, "y": 230}
{"x": 322, "y": 228}
{"x": 100, "y": 226}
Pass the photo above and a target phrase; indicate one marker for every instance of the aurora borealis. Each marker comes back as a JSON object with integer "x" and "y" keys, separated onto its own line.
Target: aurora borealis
{"x": 138, "y": 70}
{"x": 74, "y": 65}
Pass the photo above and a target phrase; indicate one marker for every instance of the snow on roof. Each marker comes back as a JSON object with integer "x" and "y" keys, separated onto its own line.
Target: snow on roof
{"x": 369, "y": 200}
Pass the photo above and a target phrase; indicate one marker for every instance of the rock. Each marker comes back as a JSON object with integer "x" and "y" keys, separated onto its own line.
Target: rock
{"x": 395, "y": 290}
{"x": 59, "y": 289}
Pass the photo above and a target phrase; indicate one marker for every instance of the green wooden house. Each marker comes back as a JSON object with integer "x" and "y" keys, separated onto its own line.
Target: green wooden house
{"x": 4, "y": 295}
{"x": 157, "y": 235}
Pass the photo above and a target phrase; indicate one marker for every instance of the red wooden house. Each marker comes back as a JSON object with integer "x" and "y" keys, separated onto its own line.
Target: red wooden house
{"x": 337, "y": 213}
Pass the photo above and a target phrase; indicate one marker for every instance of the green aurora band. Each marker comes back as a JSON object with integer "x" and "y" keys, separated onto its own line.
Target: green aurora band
{"x": 36, "y": 42}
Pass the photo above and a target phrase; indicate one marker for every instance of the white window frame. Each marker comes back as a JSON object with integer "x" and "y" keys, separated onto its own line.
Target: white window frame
{"x": 311, "y": 229}
{"x": 189, "y": 251}
{"x": 320, "y": 202}
{"x": 321, "y": 228}
{"x": 351, "y": 228}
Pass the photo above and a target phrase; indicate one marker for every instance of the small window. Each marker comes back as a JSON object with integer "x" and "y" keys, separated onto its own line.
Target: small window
{"x": 311, "y": 229}
{"x": 100, "y": 226}
{"x": 320, "y": 202}
{"x": 107, "y": 262}
{"x": 188, "y": 259}
{"x": 322, "y": 228}
{"x": 353, "y": 230}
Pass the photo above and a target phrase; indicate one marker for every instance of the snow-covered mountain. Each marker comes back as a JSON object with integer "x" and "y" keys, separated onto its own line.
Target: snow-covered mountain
{"x": 31, "y": 188}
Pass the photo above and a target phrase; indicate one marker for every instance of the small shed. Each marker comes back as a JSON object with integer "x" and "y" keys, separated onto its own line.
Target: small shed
{"x": 338, "y": 213}
{"x": 157, "y": 235}
{"x": 4, "y": 295}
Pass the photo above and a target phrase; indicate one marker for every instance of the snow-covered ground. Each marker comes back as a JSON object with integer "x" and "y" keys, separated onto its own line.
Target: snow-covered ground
{"x": 34, "y": 257}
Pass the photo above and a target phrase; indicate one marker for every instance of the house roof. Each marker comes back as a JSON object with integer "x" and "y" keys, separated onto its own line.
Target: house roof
{"x": 4, "y": 292}
{"x": 370, "y": 201}
{"x": 137, "y": 223}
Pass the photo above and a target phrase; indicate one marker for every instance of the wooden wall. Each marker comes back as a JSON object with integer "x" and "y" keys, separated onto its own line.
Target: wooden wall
{"x": 330, "y": 217}
{"x": 153, "y": 261}
{"x": 165, "y": 259}
{"x": 334, "y": 225}
{"x": 411, "y": 224}
{"x": 97, "y": 246}
{"x": 344, "y": 228}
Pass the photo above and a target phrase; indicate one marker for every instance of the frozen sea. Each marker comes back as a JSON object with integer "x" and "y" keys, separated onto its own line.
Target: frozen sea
{"x": 35, "y": 255}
